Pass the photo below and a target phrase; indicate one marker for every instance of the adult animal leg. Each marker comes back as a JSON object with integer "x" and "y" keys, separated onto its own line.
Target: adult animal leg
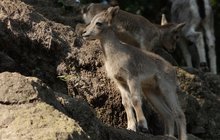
{"x": 197, "y": 38}
{"x": 210, "y": 40}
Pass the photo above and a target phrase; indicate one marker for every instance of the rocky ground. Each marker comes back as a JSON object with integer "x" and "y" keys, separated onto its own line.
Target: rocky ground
{"x": 50, "y": 88}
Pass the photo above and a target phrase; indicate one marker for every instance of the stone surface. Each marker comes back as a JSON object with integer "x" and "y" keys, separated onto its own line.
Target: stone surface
{"x": 31, "y": 111}
{"x": 60, "y": 91}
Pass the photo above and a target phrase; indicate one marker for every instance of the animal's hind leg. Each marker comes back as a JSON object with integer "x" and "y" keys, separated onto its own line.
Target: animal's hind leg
{"x": 197, "y": 38}
{"x": 135, "y": 90}
{"x": 159, "y": 104}
{"x": 181, "y": 124}
{"x": 131, "y": 121}
{"x": 210, "y": 40}
{"x": 168, "y": 91}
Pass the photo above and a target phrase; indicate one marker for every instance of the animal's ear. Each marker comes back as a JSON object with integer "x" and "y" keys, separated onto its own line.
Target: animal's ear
{"x": 163, "y": 20}
{"x": 111, "y": 11}
{"x": 86, "y": 8}
{"x": 178, "y": 27}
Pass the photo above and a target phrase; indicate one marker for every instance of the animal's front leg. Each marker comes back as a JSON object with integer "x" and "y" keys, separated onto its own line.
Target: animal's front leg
{"x": 131, "y": 121}
{"x": 135, "y": 98}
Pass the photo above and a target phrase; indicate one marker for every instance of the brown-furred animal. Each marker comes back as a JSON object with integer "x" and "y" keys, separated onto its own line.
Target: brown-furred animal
{"x": 138, "y": 75}
{"x": 137, "y": 30}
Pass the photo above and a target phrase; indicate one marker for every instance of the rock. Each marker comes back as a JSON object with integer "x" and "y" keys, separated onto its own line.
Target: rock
{"x": 31, "y": 111}
{"x": 6, "y": 63}
{"x": 192, "y": 137}
{"x": 35, "y": 43}
{"x": 68, "y": 86}
{"x": 23, "y": 90}
{"x": 201, "y": 103}
{"x": 40, "y": 113}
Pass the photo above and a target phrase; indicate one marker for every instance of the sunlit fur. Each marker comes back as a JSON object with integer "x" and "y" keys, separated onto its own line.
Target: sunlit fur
{"x": 137, "y": 30}
{"x": 138, "y": 75}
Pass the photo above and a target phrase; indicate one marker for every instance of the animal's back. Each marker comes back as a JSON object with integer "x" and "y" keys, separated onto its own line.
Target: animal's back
{"x": 138, "y": 62}
{"x": 132, "y": 23}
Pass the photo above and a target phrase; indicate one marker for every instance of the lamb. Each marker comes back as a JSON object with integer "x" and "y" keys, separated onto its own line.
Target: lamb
{"x": 198, "y": 16}
{"x": 138, "y": 75}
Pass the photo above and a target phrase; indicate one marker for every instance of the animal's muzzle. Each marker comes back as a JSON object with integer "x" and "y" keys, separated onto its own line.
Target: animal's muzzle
{"x": 84, "y": 34}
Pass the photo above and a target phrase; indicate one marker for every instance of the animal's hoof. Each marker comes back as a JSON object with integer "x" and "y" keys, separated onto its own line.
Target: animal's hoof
{"x": 132, "y": 128}
{"x": 204, "y": 67}
{"x": 143, "y": 130}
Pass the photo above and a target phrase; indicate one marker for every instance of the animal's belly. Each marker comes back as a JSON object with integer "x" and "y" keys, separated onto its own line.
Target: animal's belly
{"x": 116, "y": 71}
{"x": 149, "y": 83}
{"x": 110, "y": 70}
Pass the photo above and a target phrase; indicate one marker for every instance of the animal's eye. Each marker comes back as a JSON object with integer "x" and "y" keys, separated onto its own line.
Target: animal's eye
{"x": 99, "y": 24}
{"x": 177, "y": 37}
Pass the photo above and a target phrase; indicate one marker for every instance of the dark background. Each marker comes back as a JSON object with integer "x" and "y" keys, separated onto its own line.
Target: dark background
{"x": 152, "y": 10}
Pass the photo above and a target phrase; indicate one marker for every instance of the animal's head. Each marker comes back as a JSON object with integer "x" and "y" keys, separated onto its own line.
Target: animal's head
{"x": 100, "y": 23}
{"x": 90, "y": 11}
{"x": 170, "y": 34}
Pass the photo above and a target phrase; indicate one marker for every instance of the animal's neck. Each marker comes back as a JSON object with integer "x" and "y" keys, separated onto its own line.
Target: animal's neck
{"x": 155, "y": 39}
{"x": 158, "y": 40}
{"x": 109, "y": 42}
{"x": 124, "y": 20}
{"x": 136, "y": 25}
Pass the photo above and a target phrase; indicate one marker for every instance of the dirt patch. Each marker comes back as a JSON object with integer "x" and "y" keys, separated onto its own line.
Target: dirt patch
{"x": 37, "y": 42}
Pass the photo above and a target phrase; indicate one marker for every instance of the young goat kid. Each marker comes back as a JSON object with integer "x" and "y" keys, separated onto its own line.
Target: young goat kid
{"x": 198, "y": 16}
{"x": 137, "y": 30}
{"x": 138, "y": 74}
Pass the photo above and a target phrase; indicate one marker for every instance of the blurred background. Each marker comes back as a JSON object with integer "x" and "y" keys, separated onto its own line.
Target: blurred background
{"x": 152, "y": 10}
